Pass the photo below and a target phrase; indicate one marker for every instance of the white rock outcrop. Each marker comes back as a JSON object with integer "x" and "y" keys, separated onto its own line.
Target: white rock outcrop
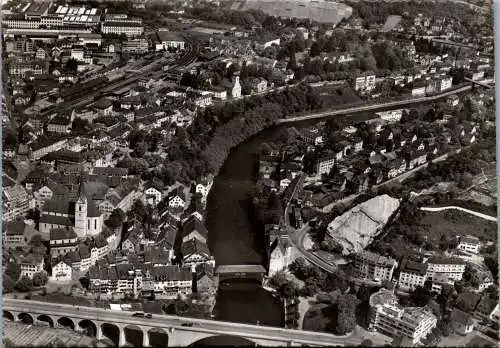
{"x": 356, "y": 228}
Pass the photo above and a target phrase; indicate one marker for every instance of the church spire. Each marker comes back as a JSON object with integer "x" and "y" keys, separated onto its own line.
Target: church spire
{"x": 82, "y": 194}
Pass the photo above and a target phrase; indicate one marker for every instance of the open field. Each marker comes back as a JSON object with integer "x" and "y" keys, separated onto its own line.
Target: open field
{"x": 320, "y": 11}
{"x": 453, "y": 222}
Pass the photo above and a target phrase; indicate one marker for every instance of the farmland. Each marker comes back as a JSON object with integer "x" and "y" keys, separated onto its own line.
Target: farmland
{"x": 320, "y": 11}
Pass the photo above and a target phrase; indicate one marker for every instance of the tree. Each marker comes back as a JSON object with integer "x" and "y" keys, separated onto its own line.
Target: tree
{"x": 40, "y": 278}
{"x": 24, "y": 284}
{"x": 315, "y": 49}
{"x": 72, "y": 64}
{"x": 288, "y": 290}
{"x": 8, "y": 284}
{"x": 115, "y": 219}
{"x": 420, "y": 296}
{"x": 13, "y": 270}
{"x": 346, "y": 309}
{"x": 367, "y": 343}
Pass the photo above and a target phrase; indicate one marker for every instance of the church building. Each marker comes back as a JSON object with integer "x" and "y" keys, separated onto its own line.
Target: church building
{"x": 81, "y": 213}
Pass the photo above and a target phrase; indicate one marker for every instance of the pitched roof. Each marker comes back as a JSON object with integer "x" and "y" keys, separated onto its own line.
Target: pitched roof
{"x": 55, "y": 220}
{"x": 461, "y": 317}
{"x": 194, "y": 224}
{"x": 194, "y": 246}
{"x": 171, "y": 273}
{"x": 62, "y": 233}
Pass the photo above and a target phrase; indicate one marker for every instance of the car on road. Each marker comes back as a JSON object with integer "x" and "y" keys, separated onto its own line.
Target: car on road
{"x": 187, "y": 324}
{"x": 138, "y": 314}
{"x": 149, "y": 316}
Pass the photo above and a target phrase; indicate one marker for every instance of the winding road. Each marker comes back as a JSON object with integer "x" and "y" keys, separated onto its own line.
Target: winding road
{"x": 475, "y": 213}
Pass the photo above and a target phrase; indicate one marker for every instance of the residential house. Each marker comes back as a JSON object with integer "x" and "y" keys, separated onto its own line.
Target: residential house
{"x": 364, "y": 83}
{"x": 372, "y": 266}
{"x": 193, "y": 228}
{"x": 31, "y": 264}
{"x": 153, "y": 192}
{"x": 195, "y": 252}
{"x": 443, "y": 269}
{"x": 461, "y": 322}
{"x": 61, "y": 271}
{"x": 412, "y": 274}
{"x": 280, "y": 255}
{"x": 177, "y": 198}
{"x": 469, "y": 244}
{"x": 62, "y": 241}
{"x": 258, "y": 85}
{"x": 17, "y": 234}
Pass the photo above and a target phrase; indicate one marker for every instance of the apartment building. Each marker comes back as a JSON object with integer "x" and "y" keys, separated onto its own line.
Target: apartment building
{"x": 412, "y": 274}
{"x": 31, "y": 264}
{"x": 118, "y": 28}
{"x": 325, "y": 165}
{"x": 414, "y": 323}
{"x": 364, "y": 83}
{"x": 444, "y": 269}
{"x": 370, "y": 265}
{"x": 469, "y": 244}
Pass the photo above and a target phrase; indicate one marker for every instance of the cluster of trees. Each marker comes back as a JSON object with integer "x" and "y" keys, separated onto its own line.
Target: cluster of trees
{"x": 187, "y": 308}
{"x": 11, "y": 280}
{"x": 272, "y": 107}
{"x": 376, "y": 13}
{"x": 317, "y": 280}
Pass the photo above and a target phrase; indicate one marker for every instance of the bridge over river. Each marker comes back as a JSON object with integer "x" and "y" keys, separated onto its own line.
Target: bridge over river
{"x": 178, "y": 331}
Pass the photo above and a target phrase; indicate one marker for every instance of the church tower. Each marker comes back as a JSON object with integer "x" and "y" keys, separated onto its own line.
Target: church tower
{"x": 81, "y": 212}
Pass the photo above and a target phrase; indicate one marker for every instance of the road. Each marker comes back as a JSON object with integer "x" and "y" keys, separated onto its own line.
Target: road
{"x": 297, "y": 237}
{"x": 168, "y": 321}
{"x": 475, "y": 213}
{"x": 371, "y": 107}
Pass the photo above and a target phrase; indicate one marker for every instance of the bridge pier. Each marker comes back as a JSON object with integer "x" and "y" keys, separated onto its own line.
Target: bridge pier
{"x": 98, "y": 331}
{"x": 172, "y": 342}
{"x": 122, "y": 339}
{"x": 145, "y": 338}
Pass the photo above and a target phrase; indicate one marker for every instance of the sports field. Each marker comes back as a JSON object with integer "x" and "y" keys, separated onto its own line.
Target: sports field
{"x": 316, "y": 10}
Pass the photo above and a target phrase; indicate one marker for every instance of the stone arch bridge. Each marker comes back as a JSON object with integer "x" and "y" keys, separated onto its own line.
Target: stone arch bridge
{"x": 180, "y": 331}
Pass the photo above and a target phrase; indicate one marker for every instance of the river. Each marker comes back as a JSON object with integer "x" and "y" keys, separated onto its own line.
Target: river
{"x": 234, "y": 239}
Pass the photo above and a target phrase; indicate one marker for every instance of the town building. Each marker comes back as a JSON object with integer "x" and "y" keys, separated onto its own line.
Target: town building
{"x": 130, "y": 29}
{"x": 412, "y": 274}
{"x": 469, "y": 244}
{"x": 325, "y": 165}
{"x": 62, "y": 241}
{"x": 81, "y": 213}
{"x": 372, "y": 266}
{"x": 444, "y": 269}
{"x": 61, "y": 272}
{"x": 15, "y": 202}
{"x": 280, "y": 256}
{"x": 31, "y": 264}
{"x": 388, "y": 318}
{"x": 169, "y": 39}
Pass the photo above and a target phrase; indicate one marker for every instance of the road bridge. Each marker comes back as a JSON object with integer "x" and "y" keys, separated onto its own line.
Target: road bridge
{"x": 230, "y": 272}
{"x": 180, "y": 331}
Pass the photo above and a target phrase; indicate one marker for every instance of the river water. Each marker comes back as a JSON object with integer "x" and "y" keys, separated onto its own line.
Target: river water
{"x": 233, "y": 238}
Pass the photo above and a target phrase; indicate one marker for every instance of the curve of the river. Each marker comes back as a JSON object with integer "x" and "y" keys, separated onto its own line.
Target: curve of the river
{"x": 233, "y": 239}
